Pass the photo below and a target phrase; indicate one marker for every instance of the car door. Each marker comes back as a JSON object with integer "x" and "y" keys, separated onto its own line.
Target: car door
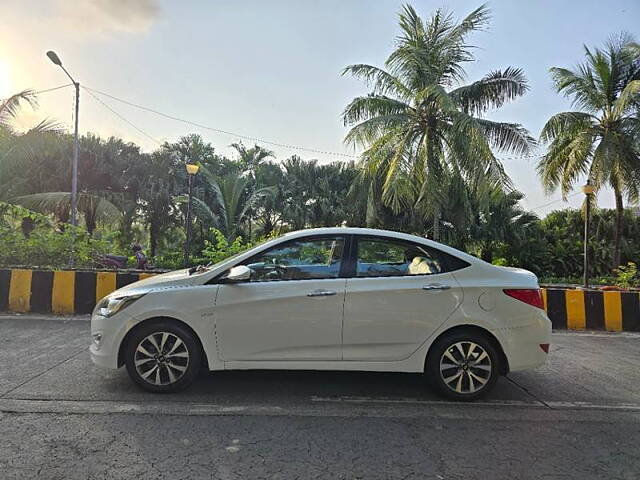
{"x": 290, "y": 309}
{"x": 400, "y": 293}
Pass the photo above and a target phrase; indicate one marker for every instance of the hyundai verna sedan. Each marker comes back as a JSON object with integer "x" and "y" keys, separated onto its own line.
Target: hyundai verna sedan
{"x": 329, "y": 299}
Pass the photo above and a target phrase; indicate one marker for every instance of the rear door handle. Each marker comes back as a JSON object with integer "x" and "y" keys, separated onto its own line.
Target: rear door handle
{"x": 435, "y": 286}
{"x": 321, "y": 293}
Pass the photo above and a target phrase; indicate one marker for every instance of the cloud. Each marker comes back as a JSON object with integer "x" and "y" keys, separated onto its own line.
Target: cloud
{"x": 104, "y": 17}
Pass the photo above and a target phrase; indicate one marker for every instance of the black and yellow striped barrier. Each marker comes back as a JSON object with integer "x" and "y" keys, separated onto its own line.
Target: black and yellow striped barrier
{"x": 592, "y": 309}
{"x": 68, "y": 292}
{"x": 60, "y": 291}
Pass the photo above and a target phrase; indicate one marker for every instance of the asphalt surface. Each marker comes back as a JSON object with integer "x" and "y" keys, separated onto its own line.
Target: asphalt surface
{"x": 62, "y": 418}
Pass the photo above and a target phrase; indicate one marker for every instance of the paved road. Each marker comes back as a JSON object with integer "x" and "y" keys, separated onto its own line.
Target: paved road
{"x": 60, "y": 417}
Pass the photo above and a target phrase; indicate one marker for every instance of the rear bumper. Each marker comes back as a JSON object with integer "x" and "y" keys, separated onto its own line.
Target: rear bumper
{"x": 521, "y": 344}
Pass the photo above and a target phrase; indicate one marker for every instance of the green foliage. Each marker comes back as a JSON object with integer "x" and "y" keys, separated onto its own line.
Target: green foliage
{"x": 627, "y": 276}
{"x": 500, "y": 262}
{"x": 428, "y": 168}
{"x": 602, "y": 137}
{"x": 419, "y": 126}
{"x": 218, "y": 248}
{"x": 45, "y": 247}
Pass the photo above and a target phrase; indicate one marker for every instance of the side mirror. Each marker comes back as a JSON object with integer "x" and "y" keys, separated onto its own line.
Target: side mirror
{"x": 238, "y": 273}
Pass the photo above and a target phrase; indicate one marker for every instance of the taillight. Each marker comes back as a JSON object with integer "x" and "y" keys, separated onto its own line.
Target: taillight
{"x": 530, "y": 296}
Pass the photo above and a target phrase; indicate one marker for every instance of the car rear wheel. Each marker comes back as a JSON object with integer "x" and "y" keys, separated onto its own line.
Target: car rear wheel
{"x": 163, "y": 357}
{"x": 463, "y": 365}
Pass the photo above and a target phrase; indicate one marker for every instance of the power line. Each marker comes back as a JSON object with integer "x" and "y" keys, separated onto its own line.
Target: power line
{"x": 46, "y": 90}
{"x": 121, "y": 117}
{"x": 38, "y": 92}
{"x": 556, "y": 201}
{"x": 224, "y": 132}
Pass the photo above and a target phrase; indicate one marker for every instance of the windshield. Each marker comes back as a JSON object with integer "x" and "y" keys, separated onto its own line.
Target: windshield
{"x": 200, "y": 269}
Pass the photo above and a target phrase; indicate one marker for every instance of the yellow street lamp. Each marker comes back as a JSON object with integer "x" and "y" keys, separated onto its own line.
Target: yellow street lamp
{"x": 192, "y": 170}
{"x": 588, "y": 189}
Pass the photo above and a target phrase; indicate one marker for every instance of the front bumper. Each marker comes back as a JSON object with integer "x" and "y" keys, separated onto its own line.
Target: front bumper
{"x": 105, "y": 353}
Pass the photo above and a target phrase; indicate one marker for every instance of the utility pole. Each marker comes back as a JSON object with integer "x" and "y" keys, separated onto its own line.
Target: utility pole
{"x": 588, "y": 190}
{"x": 76, "y": 142}
{"x": 76, "y": 146}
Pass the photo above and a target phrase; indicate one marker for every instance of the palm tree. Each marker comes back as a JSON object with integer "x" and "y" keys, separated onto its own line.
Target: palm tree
{"x": 232, "y": 202}
{"x": 601, "y": 138}
{"x": 419, "y": 123}
{"x": 157, "y": 190}
{"x": 10, "y": 107}
{"x": 499, "y": 219}
{"x": 92, "y": 207}
{"x": 251, "y": 158}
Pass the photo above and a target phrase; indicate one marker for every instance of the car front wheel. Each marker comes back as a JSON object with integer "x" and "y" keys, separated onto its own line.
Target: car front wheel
{"x": 163, "y": 357}
{"x": 463, "y": 366}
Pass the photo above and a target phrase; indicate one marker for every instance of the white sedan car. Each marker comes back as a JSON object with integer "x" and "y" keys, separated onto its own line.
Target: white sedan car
{"x": 329, "y": 299}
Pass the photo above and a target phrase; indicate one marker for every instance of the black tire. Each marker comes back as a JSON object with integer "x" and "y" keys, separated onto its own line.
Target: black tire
{"x": 468, "y": 386}
{"x": 174, "y": 370}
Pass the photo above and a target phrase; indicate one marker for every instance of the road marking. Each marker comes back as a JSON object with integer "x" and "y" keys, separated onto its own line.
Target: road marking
{"x": 318, "y": 407}
{"x": 594, "y": 333}
{"x": 489, "y": 403}
{"x": 417, "y": 401}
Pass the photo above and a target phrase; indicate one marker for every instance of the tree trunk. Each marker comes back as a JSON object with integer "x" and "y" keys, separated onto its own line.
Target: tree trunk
{"x": 486, "y": 253}
{"x": 436, "y": 225}
{"x": 618, "y": 229}
{"x": 153, "y": 239}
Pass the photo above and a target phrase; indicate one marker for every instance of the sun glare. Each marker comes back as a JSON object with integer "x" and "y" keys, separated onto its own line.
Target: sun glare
{"x": 5, "y": 85}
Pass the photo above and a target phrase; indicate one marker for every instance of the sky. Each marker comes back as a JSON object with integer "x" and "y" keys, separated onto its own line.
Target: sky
{"x": 272, "y": 69}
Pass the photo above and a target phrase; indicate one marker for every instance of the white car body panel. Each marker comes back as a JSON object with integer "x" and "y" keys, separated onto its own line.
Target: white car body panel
{"x": 388, "y": 323}
{"x": 278, "y": 321}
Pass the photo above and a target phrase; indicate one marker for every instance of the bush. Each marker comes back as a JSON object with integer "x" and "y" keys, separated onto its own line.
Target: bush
{"x": 45, "y": 247}
{"x": 41, "y": 244}
{"x": 627, "y": 276}
{"x": 219, "y": 248}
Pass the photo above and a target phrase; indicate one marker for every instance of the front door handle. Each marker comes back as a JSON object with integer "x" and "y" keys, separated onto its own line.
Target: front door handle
{"x": 321, "y": 293}
{"x": 435, "y": 286}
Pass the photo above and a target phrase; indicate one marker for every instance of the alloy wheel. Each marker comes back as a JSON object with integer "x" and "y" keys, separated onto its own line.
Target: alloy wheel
{"x": 465, "y": 367}
{"x": 161, "y": 358}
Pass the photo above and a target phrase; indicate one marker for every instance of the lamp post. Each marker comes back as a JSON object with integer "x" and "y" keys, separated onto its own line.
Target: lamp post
{"x": 74, "y": 171}
{"x": 588, "y": 190}
{"x": 192, "y": 170}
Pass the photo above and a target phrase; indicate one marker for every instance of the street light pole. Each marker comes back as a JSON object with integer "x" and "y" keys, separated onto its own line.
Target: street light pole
{"x": 588, "y": 190}
{"x": 74, "y": 170}
{"x": 192, "y": 170}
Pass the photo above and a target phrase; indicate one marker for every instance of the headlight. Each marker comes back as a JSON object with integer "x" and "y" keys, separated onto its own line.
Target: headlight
{"x": 110, "y": 306}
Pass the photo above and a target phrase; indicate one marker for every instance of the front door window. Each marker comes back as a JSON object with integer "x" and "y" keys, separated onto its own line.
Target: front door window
{"x": 301, "y": 259}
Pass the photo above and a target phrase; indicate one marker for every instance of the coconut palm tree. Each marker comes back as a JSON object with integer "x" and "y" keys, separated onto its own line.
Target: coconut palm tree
{"x": 10, "y": 107}
{"x": 601, "y": 138}
{"x": 419, "y": 123}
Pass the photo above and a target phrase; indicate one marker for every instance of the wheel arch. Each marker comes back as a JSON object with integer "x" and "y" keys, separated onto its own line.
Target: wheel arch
{"x": 123, "y": 344}
{"x": 480, "y": 331}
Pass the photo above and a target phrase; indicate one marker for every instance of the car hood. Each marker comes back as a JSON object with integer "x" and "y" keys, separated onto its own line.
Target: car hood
{"x": 178, "y": 278}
